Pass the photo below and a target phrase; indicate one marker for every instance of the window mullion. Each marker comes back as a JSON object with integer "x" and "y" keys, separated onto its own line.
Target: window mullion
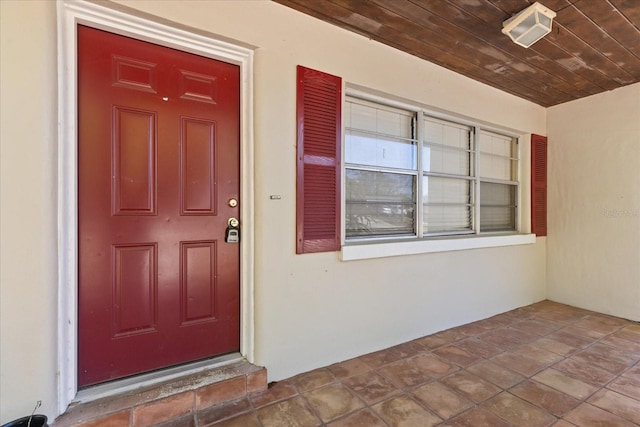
{"x": 475, "y": 135}
{"x": 517, "y": 177}
{"x": 419, "y": 129}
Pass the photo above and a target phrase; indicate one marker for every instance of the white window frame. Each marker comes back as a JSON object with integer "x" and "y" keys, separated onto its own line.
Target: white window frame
{"x": 378, "y": 247}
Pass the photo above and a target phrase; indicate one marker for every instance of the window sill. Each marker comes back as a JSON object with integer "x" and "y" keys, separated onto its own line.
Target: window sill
{"x": 356, "y": 251}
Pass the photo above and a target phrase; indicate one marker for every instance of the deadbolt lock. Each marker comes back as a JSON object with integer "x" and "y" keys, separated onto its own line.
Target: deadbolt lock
{"x": 232, "y": 203}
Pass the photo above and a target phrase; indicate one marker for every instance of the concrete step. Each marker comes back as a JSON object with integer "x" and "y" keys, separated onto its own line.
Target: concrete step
{"x": 167, "y": 402}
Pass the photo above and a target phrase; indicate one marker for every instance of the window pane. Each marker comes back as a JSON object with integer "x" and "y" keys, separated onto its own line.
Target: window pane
{"x": 375, "y": 150}
{"x": 497, "y": 207}
{"x": 496, "y": 167}
{"x": 497, "y": 154}
{"x": 443, "y": 160}
{"x": 380, "y": 119}
{"x": 446, "y": 190}
{"x": 379, "y": 136}
{"x": 446, "y": 147}
{"x": 446, "y": 218}
{"x": 446, "y": 133}
{"x": 379, "y": 203}
{"x": 446, "y": 204}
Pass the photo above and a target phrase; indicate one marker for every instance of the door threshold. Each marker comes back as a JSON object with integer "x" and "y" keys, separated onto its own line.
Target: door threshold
{"x": 151, "y": 379}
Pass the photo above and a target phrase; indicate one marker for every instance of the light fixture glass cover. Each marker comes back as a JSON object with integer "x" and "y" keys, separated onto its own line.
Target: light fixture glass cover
{"x": 529, "y": 25}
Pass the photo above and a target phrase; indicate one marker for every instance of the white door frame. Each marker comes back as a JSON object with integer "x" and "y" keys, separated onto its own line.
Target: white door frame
{"x": 70, "y": 14}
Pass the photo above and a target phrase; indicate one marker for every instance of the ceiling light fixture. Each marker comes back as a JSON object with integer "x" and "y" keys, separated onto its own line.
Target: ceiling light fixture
{"x": 529, "y": 25}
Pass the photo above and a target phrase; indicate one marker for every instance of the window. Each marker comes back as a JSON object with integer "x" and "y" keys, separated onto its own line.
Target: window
{"x": 411, "y": 174}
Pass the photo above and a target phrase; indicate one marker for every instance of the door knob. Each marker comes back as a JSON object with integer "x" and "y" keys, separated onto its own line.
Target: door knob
{"x": 233, "y": 222}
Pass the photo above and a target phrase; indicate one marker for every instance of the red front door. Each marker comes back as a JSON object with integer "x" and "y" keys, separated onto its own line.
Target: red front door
{"x": 158, "y": 153}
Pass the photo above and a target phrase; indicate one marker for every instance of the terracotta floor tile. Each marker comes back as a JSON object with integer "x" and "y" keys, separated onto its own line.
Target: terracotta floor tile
{"x": 293, "y": 412}
{"x": 440, "y": 339}
{"x": 570, "y": 339}
{"x": 588, "y": 334}
{"x": 563, "y": 423}
{"x": 517, "y": 411}
{"x": 478, "y": 417}
{"x": 276, "y": 392}
{"x": 442, "y": 400}
{"x": 536, "y": 327}
{"x": 164, "y": 410}
{"x": 473, "y": 329}
{"x": 224, "y": 391}
{"x": 633, "y": 372}
{"x": 226, "y": 410}
{"x": 471, "y": 386}
{"x": 257, "y": 381}
{"x": 519, "y": 363}
{"x": 478, "y": 347}
{"x": 333, "y": 401}
{"x": 605, "y": 357}
{"x": 554, "y": 401}
{"x": 498, "y": 321}
{"x": 507, "y": 338}
{"x": 554, "y": 346}
{"x": 404, "y": 374}
{"x": 626, "y": 385}
{"x": 402, "y": 411}
{"x": 246, "y": 420}
{"x": 451, "y": 335}
{"x": 618, "y": 404}
{"x": 434, "y": 365}
{"x": 587, "y": 415}
{"x": 363, "y": 418}
{"x": 408, "y": 349}
{"x": 595, "y": 328}
{"x": 621, "y": 344}
{"x": 380, "y": 358}
{"x": 432, "y": 342}
{"x": 600, "y": 324}
{"x": 496, "y": 374}
{"x": 633, "y": 327}
{"x": 457, "y": 355}
{"x": 349, "y": 368}
{"x": 522, "y": 313}
{"x": 627, "y": 334}
{"x": 630, "y": 357}
{"x": 314, "y": 379}
{"x": 120, "y": 419}
{"x": 371, "y": 387}
{"x": 184, "y": 421}
{"x": 584, "y": 372}
{"x": 566, "y": 384}
{"x": 561, "y": 316}
{"x": 539, "y": 354}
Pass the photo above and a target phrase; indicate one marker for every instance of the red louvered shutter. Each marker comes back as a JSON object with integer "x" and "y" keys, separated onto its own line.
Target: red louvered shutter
{"x": 539, "y": 185}
{"x": 319, "y": 101}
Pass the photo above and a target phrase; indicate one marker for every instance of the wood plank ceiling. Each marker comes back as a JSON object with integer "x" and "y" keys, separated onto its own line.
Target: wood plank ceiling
{"x": 594, "y": 45}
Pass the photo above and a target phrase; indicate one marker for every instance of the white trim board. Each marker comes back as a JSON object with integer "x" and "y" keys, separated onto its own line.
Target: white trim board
{"x": 70, "y": 14}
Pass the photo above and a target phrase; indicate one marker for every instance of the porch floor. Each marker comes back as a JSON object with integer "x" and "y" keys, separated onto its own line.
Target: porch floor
{"x": 541, "y": 365}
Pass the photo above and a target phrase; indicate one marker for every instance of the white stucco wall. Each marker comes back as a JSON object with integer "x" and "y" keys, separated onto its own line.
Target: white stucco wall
{"x": 28, "y": 293}
{"x": 593, "y": 255}
{"x": 311, "y": 310}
